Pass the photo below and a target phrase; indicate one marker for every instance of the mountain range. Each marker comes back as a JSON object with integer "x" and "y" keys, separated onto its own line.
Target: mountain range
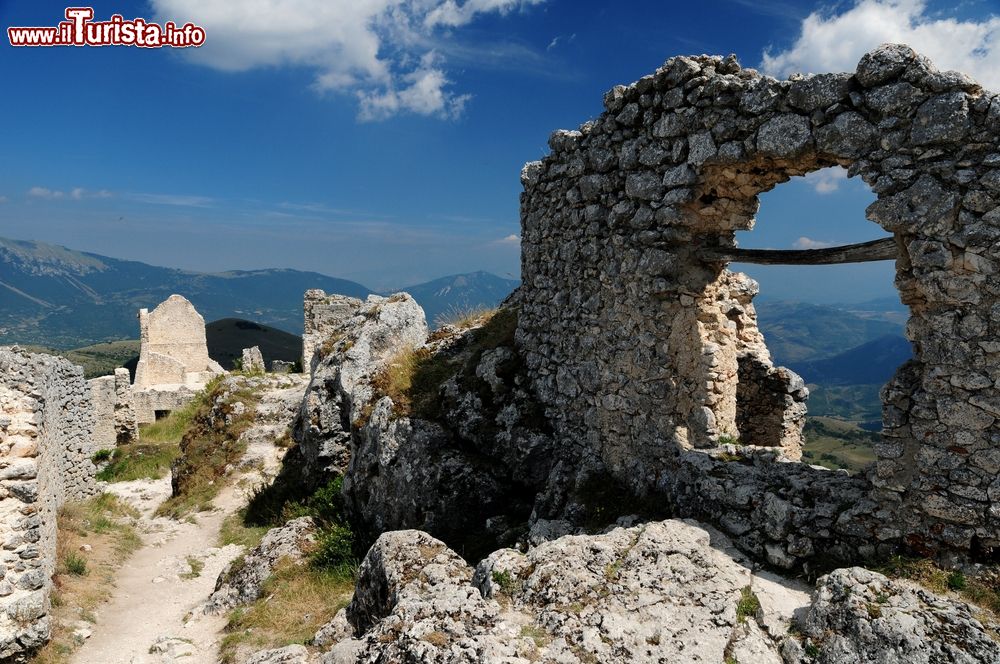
{"x": 55, "y": 297}
{"x": 60, "y": 298}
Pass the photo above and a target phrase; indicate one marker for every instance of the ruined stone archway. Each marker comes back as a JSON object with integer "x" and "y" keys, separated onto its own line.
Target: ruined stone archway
{"x": 636, "y": 341}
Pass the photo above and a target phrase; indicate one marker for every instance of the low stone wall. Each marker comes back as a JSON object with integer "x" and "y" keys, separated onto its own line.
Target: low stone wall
{"x": 791, "y": 514}
{"x": 46, "y": 444}
{"x": 149, "y": 402}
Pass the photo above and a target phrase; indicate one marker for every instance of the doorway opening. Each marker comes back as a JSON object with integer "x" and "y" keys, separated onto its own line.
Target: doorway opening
{"x": 838, "y": 326}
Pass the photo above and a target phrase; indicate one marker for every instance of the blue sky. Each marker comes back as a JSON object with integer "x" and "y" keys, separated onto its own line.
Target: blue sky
{"x": 381, "y": 140}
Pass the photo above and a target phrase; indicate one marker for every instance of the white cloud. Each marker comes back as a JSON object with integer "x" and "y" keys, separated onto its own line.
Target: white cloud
{"x": 4, "y": 199}
{"x": 452, "y": 14}
{"x": 178, "y": 200}
{"x": 832, "y": 41}
{"x": 42, "y": 192}
{"x": 827, "y": 180}
{"x": 809, "y": 243}
{"x": 76, "y": 193}
{"x": 560, "y": 39}
{"x": 510, "y": 239}
{"x": 380, "y": 51}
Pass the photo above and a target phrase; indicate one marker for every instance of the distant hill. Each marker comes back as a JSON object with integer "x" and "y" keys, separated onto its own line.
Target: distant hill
{"x": 448, "y": 297}
{"x": 228, "y": 337}
{"x": 872, "y": 362}
{"x": 98, "y": 359}
{"x": 799, "y": 332}
{"x": 60, "y": 298}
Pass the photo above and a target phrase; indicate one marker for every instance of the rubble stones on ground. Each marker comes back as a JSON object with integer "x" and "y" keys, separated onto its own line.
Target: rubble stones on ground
{"x": 241, "y": 581}
{"x": 663, "y": 591}
{"x": 293, "y": 654}
{"x": 282, "y": 367}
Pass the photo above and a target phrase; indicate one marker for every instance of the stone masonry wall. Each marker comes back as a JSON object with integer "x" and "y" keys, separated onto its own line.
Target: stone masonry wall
{"x": 637, "y": 344}
{"x": 114, "y": 410}
{"x": 46, "y": 443}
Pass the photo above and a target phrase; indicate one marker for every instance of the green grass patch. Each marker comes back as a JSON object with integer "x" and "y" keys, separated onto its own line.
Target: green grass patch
{"x": 748, "y": 604}
{"x": 235, "y": 531}
{"x": 836, "y": 444}
{"x": 196, "y": 566}
{"x": 208, "y": 448}
{"x": 139, "y": 461}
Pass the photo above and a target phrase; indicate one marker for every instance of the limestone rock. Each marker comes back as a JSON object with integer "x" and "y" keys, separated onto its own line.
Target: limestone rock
{"x": 861, "y": 617}
{"x": 663, "y": 591}
{"x": 241, "y": 581}
{"x": 253, "y": 361}
{"x": 294, "y": 654}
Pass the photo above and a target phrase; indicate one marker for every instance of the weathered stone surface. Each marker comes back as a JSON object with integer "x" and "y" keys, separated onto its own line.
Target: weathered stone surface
{"x": 174, "y": 349}
{"x": 241, "y": 581}
{"x": 114, "y": 410}
{"x": 253, "y": 361}
{"x": 361, "y": 339}
{"x": 664, "y": 591}
{"x": 643, "y": 353}
{"x": 861, "y": 617}
{"x": 173, "y": 358}
{"x": 46, "y": 444}
{"x": 294, "y": 654}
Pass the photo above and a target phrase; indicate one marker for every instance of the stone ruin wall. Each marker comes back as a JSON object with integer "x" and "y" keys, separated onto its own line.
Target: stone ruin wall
{"x": 173, "y": 358}
{"x": 114, "y": 410}
{"x": 641, "y": 349}
{"x": 46, "y": 444}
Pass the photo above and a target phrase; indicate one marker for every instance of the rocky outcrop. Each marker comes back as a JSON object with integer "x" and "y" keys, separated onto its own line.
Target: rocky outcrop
{"x": 862, "y": 617}
{"x": 664, "y": 591}
{"x": 668, "y": 591}
{"x": 241, "y": 581}
{"x": 359, "y": 342}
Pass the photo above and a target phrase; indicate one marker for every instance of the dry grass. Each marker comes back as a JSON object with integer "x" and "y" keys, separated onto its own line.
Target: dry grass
{"x": 412, "y": 379}
{"x": 84, "y": 579}
{"x": 983, "y": 589}
{"x": 465, "y": 317}
{"x": 295, "y": 602}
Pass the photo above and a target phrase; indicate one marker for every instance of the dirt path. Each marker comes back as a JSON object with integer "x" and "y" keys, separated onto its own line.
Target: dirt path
{"x": 154, "y": 614}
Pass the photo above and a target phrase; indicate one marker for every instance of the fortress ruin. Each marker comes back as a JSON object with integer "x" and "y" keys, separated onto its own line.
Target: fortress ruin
{"x": 173, "y": 358}
{"x": 645, "y": 349}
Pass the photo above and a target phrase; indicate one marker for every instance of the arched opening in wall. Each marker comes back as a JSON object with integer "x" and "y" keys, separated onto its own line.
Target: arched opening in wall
{"x": 839, "y": 326}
